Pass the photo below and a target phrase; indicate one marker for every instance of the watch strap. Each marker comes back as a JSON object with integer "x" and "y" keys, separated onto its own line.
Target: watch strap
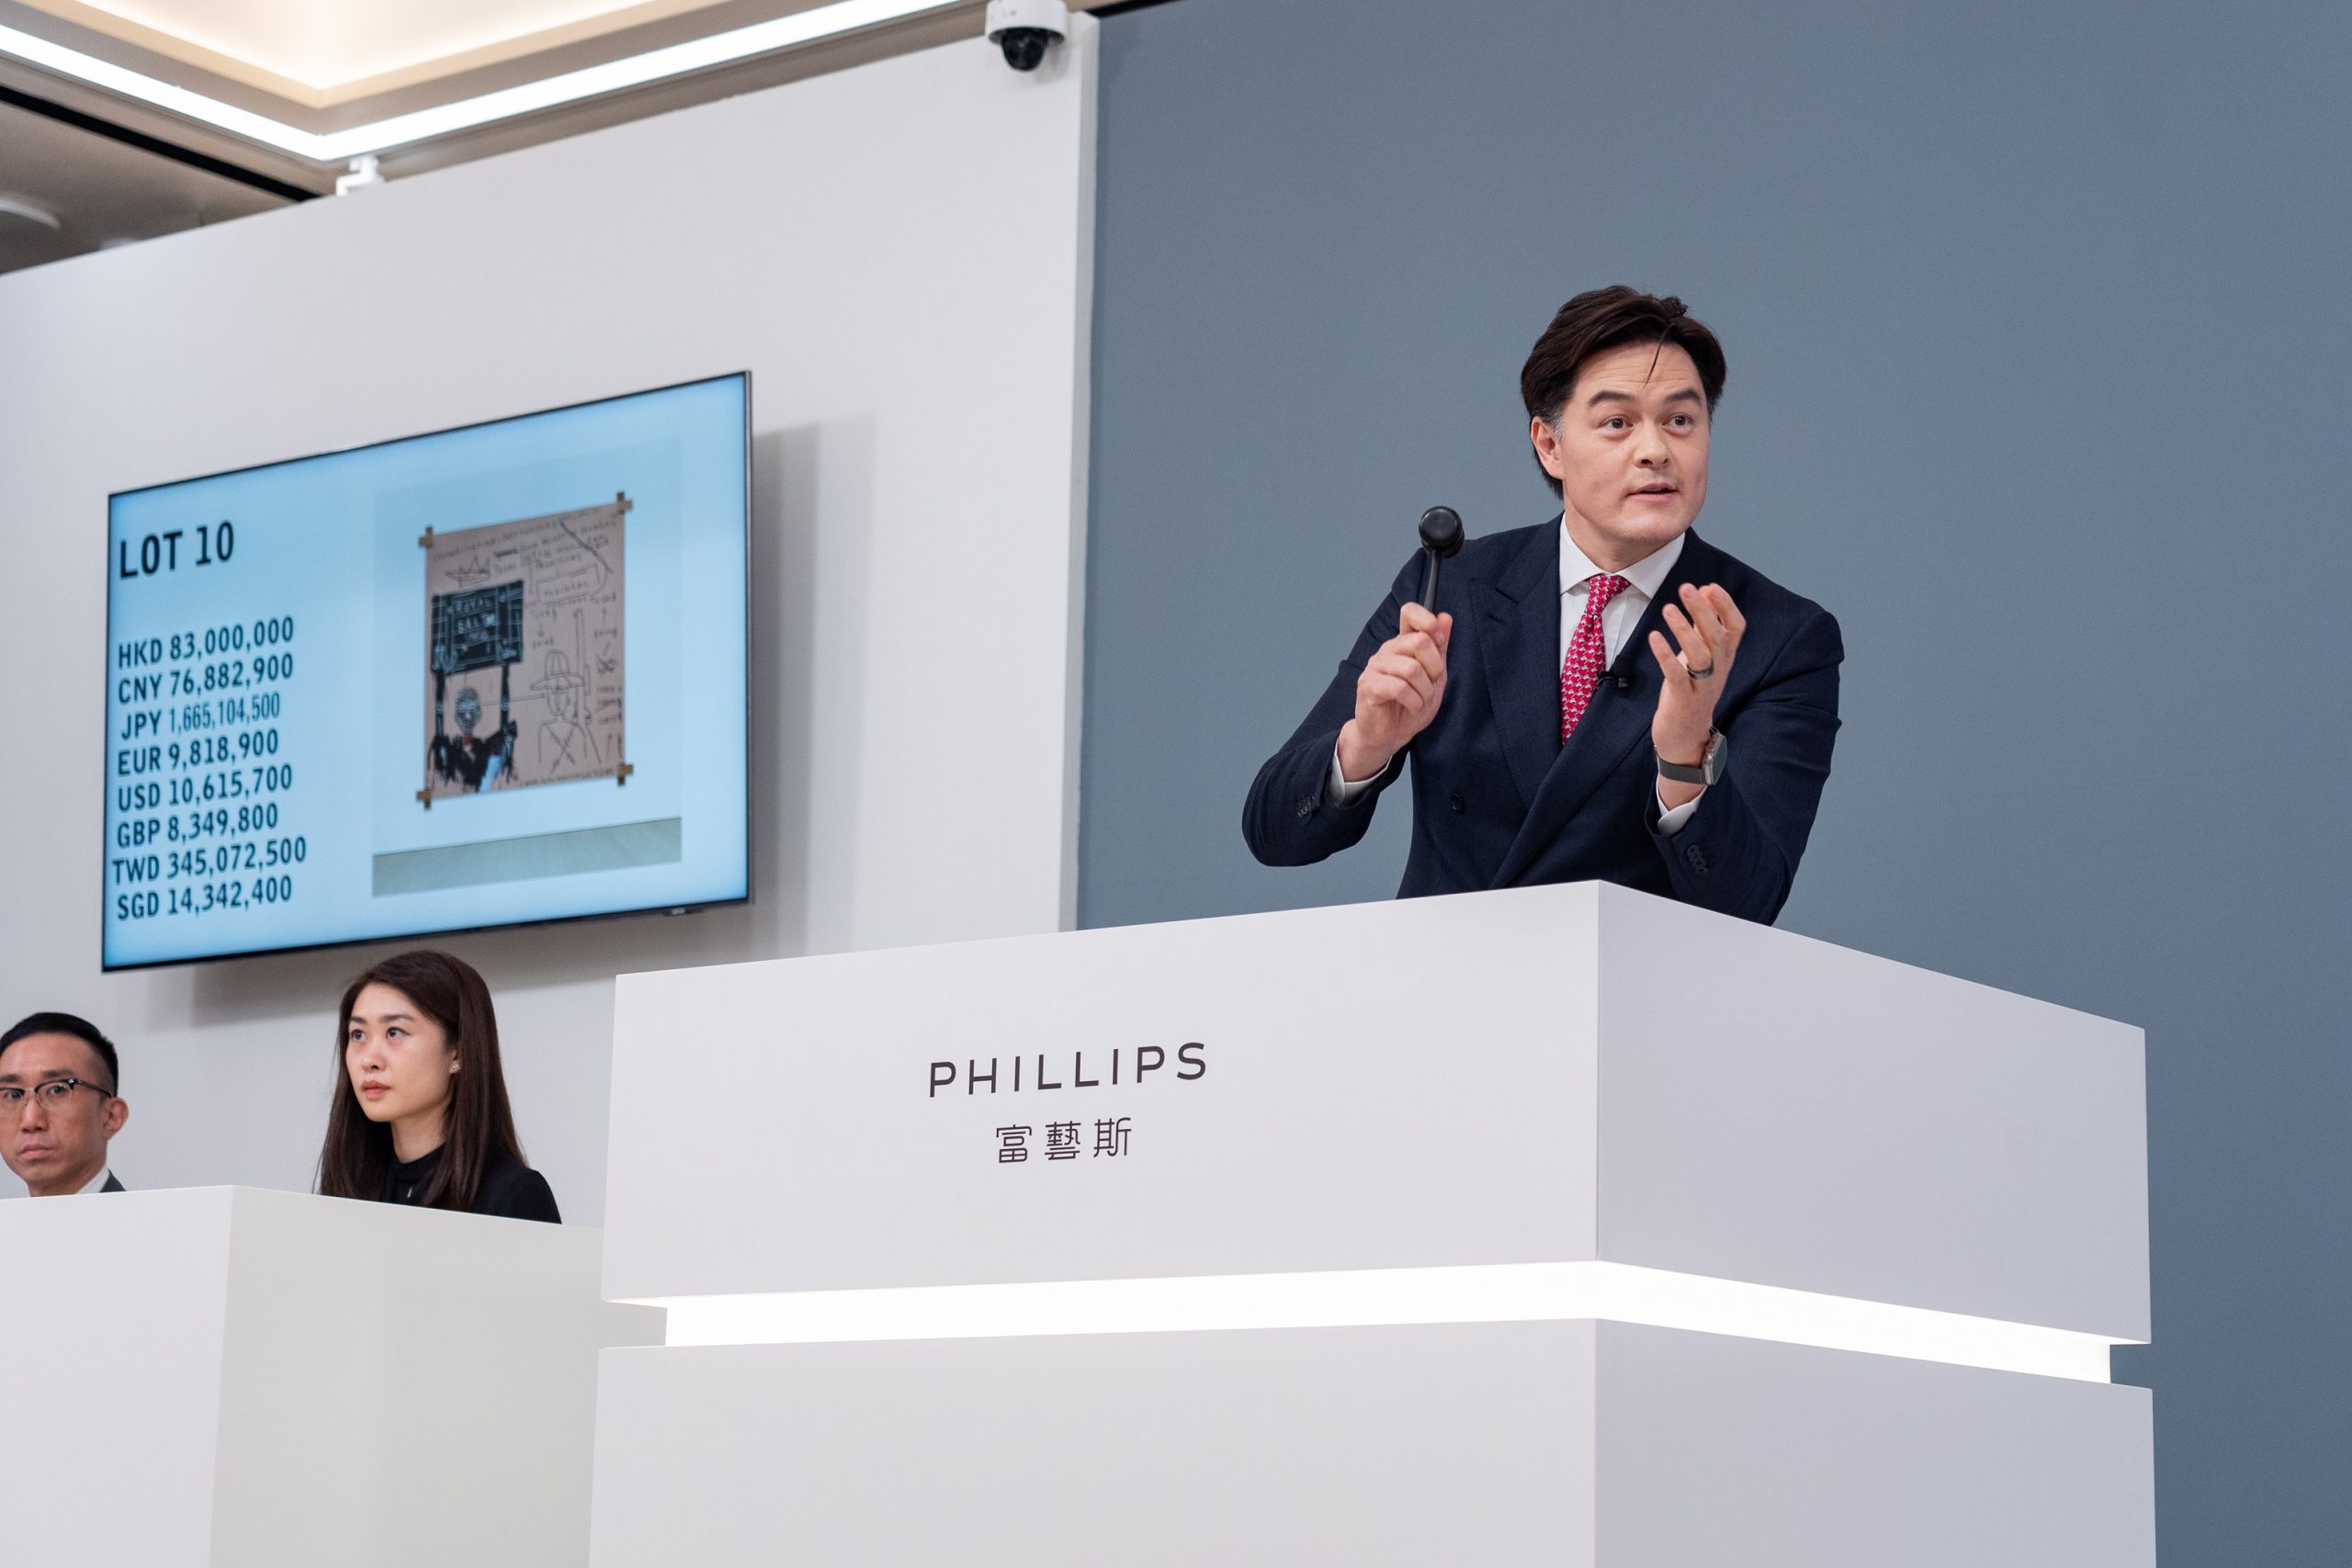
{"x": 1709, "y": 768}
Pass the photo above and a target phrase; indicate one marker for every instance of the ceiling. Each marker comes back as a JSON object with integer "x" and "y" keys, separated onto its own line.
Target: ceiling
{"x": 97, "y": 191}
{"x": 122, "y": 119}
{"x": 324, "y": 52}
{"x": 297, "y": 89}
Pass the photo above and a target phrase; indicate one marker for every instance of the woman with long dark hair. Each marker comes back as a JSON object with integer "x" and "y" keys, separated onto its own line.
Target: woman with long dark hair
{"x": 420, "y": 1111}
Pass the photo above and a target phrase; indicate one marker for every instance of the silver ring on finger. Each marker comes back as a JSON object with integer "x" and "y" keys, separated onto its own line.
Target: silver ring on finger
{"x": 1697, "y": 674}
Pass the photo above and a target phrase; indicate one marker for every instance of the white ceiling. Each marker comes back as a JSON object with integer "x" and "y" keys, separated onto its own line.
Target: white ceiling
{"x": 288, "y": 94}
{"x": 325, "y": 45}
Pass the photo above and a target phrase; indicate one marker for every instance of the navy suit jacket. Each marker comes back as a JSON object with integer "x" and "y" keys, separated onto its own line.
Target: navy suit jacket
{"x": 1499, "y": 802}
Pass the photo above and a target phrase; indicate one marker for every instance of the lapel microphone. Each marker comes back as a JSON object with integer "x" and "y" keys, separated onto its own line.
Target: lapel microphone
{"x": 1440, "y": 540}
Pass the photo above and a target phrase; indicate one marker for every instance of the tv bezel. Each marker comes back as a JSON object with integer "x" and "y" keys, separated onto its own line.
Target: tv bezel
{"x": 751, "y": 858}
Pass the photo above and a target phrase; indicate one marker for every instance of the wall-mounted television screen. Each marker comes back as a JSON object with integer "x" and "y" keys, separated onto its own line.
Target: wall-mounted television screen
{"x": 480, "y": 678}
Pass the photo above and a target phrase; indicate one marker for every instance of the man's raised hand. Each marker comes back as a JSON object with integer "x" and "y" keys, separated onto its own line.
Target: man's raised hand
{"x": 1397, "y": 693}
{"x": 1708, "y": 627}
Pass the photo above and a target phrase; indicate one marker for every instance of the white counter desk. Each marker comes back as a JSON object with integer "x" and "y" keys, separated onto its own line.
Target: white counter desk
{"x": 1560, "y": 1225}
{"x": 225, "y": 1378}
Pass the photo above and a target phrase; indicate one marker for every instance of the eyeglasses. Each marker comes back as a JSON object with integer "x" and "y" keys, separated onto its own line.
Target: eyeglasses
{"x": 53, "y": 1095}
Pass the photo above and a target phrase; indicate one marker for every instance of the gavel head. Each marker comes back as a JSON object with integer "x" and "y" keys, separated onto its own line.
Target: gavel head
{"x": 1442, "y": 531}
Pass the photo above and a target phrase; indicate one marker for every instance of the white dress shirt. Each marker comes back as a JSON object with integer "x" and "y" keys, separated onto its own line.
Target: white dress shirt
{"x": 1617, "y": 619}
{"x": 98, "y": 1182}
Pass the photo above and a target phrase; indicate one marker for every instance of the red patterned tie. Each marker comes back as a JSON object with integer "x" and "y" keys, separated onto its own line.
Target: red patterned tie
{"x": 1587, "y": 651}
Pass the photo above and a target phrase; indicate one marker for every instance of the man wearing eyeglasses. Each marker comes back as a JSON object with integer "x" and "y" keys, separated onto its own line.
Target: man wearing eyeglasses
{"x": 58, "y": 1105}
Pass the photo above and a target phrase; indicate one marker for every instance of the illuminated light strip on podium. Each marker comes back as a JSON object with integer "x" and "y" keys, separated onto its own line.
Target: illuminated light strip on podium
{"x": 1515, "y": 1292}
{"x": 528, "y": 98}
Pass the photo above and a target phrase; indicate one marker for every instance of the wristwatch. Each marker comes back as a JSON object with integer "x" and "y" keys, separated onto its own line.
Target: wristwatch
{"x": 1709, "y": 768}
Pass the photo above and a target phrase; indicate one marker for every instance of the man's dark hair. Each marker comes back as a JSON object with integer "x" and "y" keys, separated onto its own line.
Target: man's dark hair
{"x": 81, "y": 1028}
{"x": 1598, "y": 320}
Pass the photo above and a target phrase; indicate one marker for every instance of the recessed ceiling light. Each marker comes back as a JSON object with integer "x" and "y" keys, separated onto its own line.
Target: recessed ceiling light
{"x": 400, "y": 130}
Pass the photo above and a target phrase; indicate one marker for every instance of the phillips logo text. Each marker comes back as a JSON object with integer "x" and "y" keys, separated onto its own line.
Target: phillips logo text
{"x": 1022, "y": 1075}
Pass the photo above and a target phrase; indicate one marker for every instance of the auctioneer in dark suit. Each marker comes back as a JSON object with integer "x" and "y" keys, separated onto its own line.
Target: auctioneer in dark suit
{"x": 1499, "y": 802}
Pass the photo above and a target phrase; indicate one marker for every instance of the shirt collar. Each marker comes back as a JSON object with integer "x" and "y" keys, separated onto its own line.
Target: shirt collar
{"x": 1646, "y": 575}
{"x": 98, "y": 1182}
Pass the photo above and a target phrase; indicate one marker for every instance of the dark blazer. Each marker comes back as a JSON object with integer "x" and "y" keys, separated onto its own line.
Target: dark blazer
{"x": 510, "y": 1190}
{"x": 1498, "y": 802}
{"x": 112, "y": 1185}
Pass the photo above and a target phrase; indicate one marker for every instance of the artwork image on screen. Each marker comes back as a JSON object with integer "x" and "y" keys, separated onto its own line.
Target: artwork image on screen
{"x": 481, "y": 678}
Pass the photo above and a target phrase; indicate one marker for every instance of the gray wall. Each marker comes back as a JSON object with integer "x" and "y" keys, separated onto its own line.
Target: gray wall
{"x": 2036, "y": 325}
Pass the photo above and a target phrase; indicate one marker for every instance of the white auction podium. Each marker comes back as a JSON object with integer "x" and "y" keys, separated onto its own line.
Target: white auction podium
{"x": 1559, "y": 1225}
{"x": 227, "y": 1378}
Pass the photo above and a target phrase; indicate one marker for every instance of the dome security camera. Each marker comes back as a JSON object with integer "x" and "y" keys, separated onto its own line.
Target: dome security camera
{"x": 1025, "y": 29}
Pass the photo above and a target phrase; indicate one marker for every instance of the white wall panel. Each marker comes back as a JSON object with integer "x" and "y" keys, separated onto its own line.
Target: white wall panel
{"x": 900, "y": 254}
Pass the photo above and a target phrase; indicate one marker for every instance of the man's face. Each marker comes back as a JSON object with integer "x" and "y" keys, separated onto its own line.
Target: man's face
{"x": 469, "y": 710}
{"x": 56, "y": 1149}
{"x": 1629, "y": 451}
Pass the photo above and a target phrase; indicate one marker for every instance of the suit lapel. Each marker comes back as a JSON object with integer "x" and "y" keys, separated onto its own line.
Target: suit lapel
{"x": 1618, "y": 721}
{"x": 1521, "y": 619}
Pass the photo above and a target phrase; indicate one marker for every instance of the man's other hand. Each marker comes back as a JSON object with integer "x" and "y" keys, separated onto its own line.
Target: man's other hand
{"x": 1708, "y": 627}
{"x": 1397, "y": 693}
